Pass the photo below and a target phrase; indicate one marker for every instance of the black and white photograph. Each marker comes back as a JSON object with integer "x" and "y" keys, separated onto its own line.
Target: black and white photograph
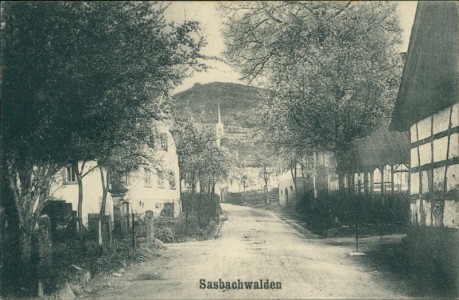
{"x": 229, "y": 150}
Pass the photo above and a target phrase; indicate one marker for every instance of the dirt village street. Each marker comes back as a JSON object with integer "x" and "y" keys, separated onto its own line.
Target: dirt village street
{"x": 252, "y": 245}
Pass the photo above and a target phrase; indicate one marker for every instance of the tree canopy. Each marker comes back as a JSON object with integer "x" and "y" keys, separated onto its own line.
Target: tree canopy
{"x": 76, "y": 72}
{"x": 83, "y": 81}
{"x": 200, "y": 159}
{"x": 331, "y": 68}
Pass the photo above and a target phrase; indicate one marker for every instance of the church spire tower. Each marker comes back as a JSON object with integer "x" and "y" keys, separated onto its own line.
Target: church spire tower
{"x": 219, "y": 118}
{"x": 219, "y": 126}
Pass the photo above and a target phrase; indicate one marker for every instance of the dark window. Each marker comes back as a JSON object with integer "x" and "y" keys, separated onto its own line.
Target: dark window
{"x": 164, "y": 141}
{"x": 172, "y": 183}
{"x": 70, "y": 176}
{"x": 160, "y": 179}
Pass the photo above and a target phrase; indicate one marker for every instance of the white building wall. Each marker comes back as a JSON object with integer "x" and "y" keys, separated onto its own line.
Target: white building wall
{"x": 286, "y": 184}
{"x": 435, "y": 161}
{"x": 141, "y": 196}
{"x": 153, "y": 196}
{"x": 92, "y": 190}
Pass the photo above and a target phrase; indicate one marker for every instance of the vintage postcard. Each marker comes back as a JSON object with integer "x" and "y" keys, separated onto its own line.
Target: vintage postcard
{"x": 229, "y": 150}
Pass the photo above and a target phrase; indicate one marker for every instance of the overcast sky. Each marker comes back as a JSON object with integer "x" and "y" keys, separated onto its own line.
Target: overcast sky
{"x": 205, "y": 12}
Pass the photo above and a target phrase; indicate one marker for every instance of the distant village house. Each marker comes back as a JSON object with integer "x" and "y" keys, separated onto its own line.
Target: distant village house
{"x": 153, "y": 186}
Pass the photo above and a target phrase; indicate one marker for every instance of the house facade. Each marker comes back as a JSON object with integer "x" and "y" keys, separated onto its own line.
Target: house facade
{"x": 434, "y": 173}
{"x": 65, "y": 188}
{"x": 314, "y": 175}
{"x": 154, "y": 186}
{"x": 287, "y": 189}
{"x": 428, "y": 106}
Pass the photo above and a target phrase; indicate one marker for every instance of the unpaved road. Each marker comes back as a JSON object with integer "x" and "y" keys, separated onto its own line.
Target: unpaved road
{"x": 253, "y": 245}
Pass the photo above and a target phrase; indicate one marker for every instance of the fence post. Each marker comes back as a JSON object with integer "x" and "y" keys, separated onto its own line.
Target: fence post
{"x": 133, "y": 231}
{"x": 149, "y": 226}
{"x": 356, "y": 237}
{"x": 127, "y": 218}
{"x": 93, "y": 225}
{"x": 100, "y": 234}
{"x": 105, "y": 227}
{"x": 117, "y": 217}
{"x": 110, "y": 231}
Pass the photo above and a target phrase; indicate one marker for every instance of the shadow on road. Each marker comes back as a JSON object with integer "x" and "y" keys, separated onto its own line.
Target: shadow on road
{"x": 391, "y": 260}
{"x": 387, "y": 256}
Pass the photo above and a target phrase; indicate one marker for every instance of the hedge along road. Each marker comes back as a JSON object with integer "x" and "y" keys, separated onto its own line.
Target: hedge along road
{"x": 257, "y": 256}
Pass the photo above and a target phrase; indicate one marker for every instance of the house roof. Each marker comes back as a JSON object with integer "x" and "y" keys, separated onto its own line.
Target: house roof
{"x": 381, "y": 148}
{"x": 431, "y": 74}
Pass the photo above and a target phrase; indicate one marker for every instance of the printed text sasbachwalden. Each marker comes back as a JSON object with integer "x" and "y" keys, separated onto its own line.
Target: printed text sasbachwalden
{"x": 240, "y": 285}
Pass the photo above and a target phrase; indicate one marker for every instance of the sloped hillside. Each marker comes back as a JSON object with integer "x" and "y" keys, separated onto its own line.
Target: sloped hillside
{"x": 239, "y": 112}
{"x": 237, "y": 103}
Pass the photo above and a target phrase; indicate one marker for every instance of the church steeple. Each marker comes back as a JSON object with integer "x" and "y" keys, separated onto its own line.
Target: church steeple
{"x": 219, "y": 119}
{"x": 218, "y": 126}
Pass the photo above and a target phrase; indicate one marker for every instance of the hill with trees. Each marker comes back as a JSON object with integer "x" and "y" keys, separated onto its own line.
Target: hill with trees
{"x": 238, "y": 103}
{"x": 241, "y": 114}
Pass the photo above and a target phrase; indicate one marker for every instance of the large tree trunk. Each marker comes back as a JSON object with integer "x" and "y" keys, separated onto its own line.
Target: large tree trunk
{"x": 80, "y": 206}
{"x": 79, "y": 178}
{"x": 105, "y": 186}
{"x": 26, "y": 188}
{"x": 27, "y": 280}
{"x": 11, "y": 246}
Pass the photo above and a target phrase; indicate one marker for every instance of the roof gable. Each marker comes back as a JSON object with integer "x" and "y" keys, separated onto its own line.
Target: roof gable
{"x": 430, "y": 78}
{"x": 380, "y": 149}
